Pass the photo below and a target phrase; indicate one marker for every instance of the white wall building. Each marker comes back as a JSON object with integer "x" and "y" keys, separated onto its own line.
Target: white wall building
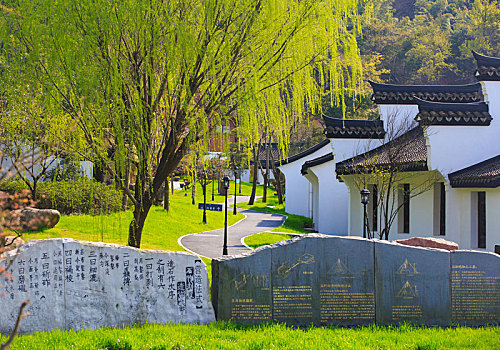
{"x": 298, "y": 190}
{"x": 454, "y": 151}
{"x": 330, "y": 197}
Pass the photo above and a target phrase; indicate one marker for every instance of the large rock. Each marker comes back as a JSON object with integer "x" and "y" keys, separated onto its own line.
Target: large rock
{"x": 412, "y": 285}
{"x": 475, "y": 288}
{"x": 32, "y": 219}
{"x": 314, "y": 279}
{"x": 77, "y": 285}
{"x": 429, "y": 242}
{"x": 13, "y": 241}
{"x": 348, "y": 281}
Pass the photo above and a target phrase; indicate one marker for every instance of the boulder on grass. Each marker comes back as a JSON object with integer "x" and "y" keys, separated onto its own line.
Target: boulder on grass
{"x": 429, "y": 242}
{"x": 32, "y": 219}
{"x": 17, "y": 241}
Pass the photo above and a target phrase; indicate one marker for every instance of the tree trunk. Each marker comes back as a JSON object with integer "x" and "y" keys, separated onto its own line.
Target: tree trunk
{"x": 98, "y": 173}
{"x": 34, "y": 188}
{"x": 255, "y": 174}
{"x": 166, "y": 196}
{"x": 193, "y": 188}
{"x": 266, "y": 175}
{"x": 137, "y": 224}
{"x": 277, "y": 178}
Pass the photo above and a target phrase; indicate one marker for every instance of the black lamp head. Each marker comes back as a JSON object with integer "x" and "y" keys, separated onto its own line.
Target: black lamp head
{"x": 225, "y": 182}
{"x": 365, "y": 196}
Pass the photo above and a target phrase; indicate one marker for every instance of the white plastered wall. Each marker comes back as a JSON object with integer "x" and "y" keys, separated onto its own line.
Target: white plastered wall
{"x": 297, "y": 187}
{"x": 315, "y": 204}
{"x": 332, "y": 195}
{"x": 421, "y": 208}
{"x": 457, "y": 147}
{"x": 461, "y": 215}
{"x": 333, "y": 199}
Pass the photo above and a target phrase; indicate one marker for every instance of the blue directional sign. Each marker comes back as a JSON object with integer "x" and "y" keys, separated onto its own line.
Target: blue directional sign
{"x": 212, "y": 207}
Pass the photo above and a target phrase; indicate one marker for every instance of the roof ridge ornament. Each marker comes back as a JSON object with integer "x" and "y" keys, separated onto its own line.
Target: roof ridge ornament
{"x": 488, "y": 67}
{"x": 406, "y": 94}
{"x": 435, "y": 113}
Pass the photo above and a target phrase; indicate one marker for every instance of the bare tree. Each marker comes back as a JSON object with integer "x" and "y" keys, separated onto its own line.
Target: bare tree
{"x": 396, "y": 171}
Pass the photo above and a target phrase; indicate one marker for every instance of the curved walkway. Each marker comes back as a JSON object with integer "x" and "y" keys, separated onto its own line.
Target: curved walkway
{"x": 209, "y": 244}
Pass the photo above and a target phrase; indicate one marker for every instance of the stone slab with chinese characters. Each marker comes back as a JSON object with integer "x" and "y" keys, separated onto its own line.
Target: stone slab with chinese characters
{"x": 349, "y": 281}
{"x": 315, "y": 279}
{"x": 412, "y": 285}
{"x": 76, "y": 285}
{"x": 475, "y": 288}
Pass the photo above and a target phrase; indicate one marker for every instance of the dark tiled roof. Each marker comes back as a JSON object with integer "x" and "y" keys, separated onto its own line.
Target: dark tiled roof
{"x": 432, "y": 113}
{"x": 315, "y": 162}
{"x": 484, "y": 174}
{"x": 304, "y": 153}
{"x": 488, "y": 68}
{"x": 407, "y": 152}
{"x": 405, "y": 94}
{"x": 353, "y": 128}
{"x": 273, "y": 152}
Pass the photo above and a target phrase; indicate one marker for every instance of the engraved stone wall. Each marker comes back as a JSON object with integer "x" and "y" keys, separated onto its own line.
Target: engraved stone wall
{"x": 77, "y": 285}
{"x": 412, "y": 285}
{"x": 475, "y": 288}
{"x": 348, "y": 281}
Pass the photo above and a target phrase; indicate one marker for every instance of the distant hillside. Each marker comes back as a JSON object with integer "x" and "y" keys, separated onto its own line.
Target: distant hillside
{"x": 404, "y": 8}
{"x": 428, "y": 41}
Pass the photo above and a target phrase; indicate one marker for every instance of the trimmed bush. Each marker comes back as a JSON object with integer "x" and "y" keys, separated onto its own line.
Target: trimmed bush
{"x": 82, "y": 196}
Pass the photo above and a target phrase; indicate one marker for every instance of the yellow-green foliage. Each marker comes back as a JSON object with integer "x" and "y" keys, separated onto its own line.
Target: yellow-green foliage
{"x": 221, "y": 335}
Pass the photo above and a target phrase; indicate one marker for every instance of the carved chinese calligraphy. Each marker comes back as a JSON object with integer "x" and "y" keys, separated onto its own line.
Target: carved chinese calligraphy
{"x": 77, "y": 285}
{"x": 348, "y": 281}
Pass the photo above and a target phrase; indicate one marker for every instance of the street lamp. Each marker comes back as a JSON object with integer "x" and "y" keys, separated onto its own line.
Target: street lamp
{"x": 213, "y": 182}
{"x": 235, "y": 175}
{"x": 239, "y": 178}
{"x": 225, "y": 184}
{"x": 365, "y": 197}
{"x": 204, "y": 182}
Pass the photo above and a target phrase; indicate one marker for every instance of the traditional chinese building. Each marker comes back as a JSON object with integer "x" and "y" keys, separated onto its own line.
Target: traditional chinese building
{"x": 441, "y": 146}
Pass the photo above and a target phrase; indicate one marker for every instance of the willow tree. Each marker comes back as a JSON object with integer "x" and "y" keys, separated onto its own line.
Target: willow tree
{"x": 144, "y": 80}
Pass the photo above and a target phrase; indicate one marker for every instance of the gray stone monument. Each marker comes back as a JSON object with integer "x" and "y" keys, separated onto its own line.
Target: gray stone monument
{"x": 475, "y": 288}
{"x": 412, "y": 285}
{"x": 316, "y": 279}
{"x": 78, "y": 285}
{"x": 244, "y": 287}
{"x": 347, "y": 285}
{"x": 349, "y": 281}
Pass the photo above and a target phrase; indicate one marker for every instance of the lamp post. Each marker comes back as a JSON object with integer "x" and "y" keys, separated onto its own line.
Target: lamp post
{"x": 225, "y": 184}
{"x": 365, "y": 197}
{"x": 239, "y": 178}
{"x": 235, "y": 176}
{"x": 204, "y": 179}
{"x": 213, "y": 182}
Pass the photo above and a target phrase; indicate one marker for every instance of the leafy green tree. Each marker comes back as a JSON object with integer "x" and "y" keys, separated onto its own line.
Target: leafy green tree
{"x": 144, "y": 80}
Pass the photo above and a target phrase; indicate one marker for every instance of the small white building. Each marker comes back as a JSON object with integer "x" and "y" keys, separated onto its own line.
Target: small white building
{"x": 329, "y": 196}
{"x": 449, "y": 157}
{"x": 298, "y": 190}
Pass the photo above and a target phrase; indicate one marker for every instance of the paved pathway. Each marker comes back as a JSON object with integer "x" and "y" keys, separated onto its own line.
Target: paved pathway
{"x": 209, "y": 244}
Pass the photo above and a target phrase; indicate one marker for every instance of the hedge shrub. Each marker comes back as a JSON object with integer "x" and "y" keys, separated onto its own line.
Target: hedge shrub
{"x": 82, "y": 196}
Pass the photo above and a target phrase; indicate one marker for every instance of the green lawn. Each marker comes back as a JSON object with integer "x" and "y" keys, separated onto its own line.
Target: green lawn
{"x": 230, "y": 336}
{"x": 264, "y": 238}
{"x": 293, "y": 223}
{"x": 161, "y": 231}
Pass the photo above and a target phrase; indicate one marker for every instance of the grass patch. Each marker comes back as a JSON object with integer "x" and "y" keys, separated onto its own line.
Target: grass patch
{"x": 223, "y": 335}
{"x": 161, "y": 230}
{"x": 264, "y": 238}
{"x": 293, "y": 223}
